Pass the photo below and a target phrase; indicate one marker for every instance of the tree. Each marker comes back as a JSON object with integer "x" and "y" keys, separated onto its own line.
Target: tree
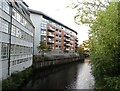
{"x": 81, "y": 50}
{"x": 42, "y": 47}
{"x": 87, "y": 10}
{"x": 103, "y": 17}
{"x": 84, "y": 49}
{"x": 105, "y": 46}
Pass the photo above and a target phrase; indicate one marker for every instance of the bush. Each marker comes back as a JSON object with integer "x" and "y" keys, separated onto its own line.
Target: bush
{"x": 112, "y": 82}
{"x": 16, "y": 79}
{"x": 105, "y": 47}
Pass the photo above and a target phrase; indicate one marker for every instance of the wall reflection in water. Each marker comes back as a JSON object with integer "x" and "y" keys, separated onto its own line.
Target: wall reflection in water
{"x": 64, "y": 77}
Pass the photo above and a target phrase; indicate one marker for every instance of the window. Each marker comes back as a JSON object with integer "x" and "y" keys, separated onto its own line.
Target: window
{"x": 18, "y": 33}
{"x": 1, "y": 4}
{"x": 4, "y": 51}
{"x": 4, "y": 26}
{"x": 18, "y": 61}
{"x": 12, "y": 49}
{"x": 13, "y": 63}
{"x": 43, "y": 31}
{"x": 21, "y": 20}
{"x": 4, "y": 6}
{"x": 18, "y": 17}
{"x": 14, "y": 14}
{"x": 13, "y": 32}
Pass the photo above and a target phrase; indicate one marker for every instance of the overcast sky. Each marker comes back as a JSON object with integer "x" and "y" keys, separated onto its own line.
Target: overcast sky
{"x": 57, "y": 10}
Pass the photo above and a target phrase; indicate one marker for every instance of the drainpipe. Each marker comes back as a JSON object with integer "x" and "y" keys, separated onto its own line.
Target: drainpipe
{"x": 10, "y": 28}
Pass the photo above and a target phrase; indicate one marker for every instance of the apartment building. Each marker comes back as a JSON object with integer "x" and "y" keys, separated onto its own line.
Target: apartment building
{"x": 16, "y": 37}
{"x": 54, "y": 34}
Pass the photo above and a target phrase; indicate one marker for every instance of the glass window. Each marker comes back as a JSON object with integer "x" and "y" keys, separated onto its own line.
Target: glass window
{"x": 14, "y": 14}
{"x": 21, "y": 20}
{"x": 0, "y": 24}
{"x": 0, "y": 3}
{"x": 18, "y": 32}
{"x": 12, "y": 49}
{"x": 4, "y": 25}
{"x": 4, "y": 51}
{"x": 13, "y": 32}
{"x": 13, "y": 63}
{"x": 4, "y": 5}
{"x": 18, "y": 17}
{"x": 43, "y": 31}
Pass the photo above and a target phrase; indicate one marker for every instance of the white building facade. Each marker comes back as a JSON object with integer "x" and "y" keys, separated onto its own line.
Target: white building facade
{"x": 16, "y": 37}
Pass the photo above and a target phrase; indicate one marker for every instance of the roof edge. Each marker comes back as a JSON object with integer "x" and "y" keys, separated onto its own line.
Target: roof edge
{"x": 45, "y": 15}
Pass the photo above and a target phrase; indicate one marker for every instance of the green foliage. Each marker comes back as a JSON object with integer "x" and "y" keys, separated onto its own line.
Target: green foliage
{"x": 113, "y": 82}
{"x": 87, "y": 10}
{"x": 104, "y": 40}
{"x": 16, "y": 79}
{"x": 80, "y": 50}
{"x": 42, "y": 47}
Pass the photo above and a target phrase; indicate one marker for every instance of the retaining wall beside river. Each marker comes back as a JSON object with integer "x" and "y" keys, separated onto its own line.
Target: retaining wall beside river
{"x": 41, "y": 62}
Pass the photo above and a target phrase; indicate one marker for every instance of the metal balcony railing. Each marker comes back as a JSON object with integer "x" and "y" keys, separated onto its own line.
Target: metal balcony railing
{"x": 67, "y": 40}
{"x": 51, "y": 35}
{"x": 51, "y": 29}
{"x": 51, "y": 41}
{"x": 66, "y": 35}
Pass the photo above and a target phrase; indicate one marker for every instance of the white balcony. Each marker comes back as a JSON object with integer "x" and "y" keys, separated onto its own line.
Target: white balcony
{"x": 67, "y": 49}
{"x": 50, "y": 41}
{"x": 50, "y": 35}
{"x": 67, "y": 40}
{"x": 67, "y": 44}
{"x": 67, "y": 35}
{"x": 51, "y": 29}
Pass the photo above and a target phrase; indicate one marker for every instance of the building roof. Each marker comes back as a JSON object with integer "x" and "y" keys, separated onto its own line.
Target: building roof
{"x": 48, "y": 17}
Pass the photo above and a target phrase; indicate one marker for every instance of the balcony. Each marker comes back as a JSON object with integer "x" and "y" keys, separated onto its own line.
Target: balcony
{"x": 50, "y": 42}
{"x": 67, "y": 40}
{"x": 50, "y": 35}
{"x": 67, "y": 44}
{"x": 57, "y": 48}
{"x": 76, "y": 39}
{"x": 58, "y": 42}
{"x": 67, "y": 35}
{"x": 51, "y": 29}
{"x": 67, "y": 49}
{"x": 76, "y": 43}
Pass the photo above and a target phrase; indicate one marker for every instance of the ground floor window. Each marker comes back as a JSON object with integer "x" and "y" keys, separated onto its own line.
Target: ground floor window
{"x": 4, "y": 51}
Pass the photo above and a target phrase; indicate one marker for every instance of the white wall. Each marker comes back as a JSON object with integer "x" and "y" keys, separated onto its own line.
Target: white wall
{"x": 36, "y": 20}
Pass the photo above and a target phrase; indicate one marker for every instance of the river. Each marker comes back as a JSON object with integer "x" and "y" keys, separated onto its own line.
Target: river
{"x": 72, "y": 76}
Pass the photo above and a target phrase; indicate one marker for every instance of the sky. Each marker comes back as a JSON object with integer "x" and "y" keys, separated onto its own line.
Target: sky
{"x": 57, "y": 9}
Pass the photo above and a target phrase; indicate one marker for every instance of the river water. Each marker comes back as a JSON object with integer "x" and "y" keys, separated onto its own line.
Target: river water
{"x": 70, "y": 76}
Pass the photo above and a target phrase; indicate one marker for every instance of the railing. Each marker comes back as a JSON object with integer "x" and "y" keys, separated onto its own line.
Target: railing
{"x": 50, "y": 41}
{"x": 67, "y": 40}
{"x": 51, "y": 29}
{"x": 50, "y": 35}
{"x": 66, "y": 35}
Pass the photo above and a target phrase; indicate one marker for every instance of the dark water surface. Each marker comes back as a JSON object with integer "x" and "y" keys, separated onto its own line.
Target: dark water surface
{"x": 71, "y": 76}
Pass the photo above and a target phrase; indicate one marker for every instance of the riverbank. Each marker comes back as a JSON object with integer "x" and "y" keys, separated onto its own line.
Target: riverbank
{"x": 18, "y": 79}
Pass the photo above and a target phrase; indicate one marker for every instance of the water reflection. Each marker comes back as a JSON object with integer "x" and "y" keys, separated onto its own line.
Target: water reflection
{"x": 72, "y": 76}
{"x": 84, "y": 78}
